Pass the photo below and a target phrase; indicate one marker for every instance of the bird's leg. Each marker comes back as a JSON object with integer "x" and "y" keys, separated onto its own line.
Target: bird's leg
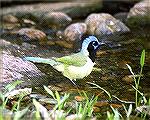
{"x": 73, "y": 82}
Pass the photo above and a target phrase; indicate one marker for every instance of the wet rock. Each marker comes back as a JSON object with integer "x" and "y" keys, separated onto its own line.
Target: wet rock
{"x": 4, "y": 43}
{"x": 30, "y": 34}
{"x": 10, "y": 26}
{"x": 55, "y": 19}
{"x": 10, "y": 18}
{"x": 116, "y": 105}
{"x": 139, "y": 14}
{"x": 75, "y": 31}
{"x": 96, "y": 109}
{"x": 104, "y": 24}
{"x": 17, "y": 93}
{"x": 37, "y": 96}
{"x": 123, "y": 64}
{"x": 79, "y": 98}
{"x": 9, "y": 22}
{"x": 27, "y": 23}
{"x": 101, "y": 104}
{"x": 128, "y": 78}
{"x": 15, "y": 68}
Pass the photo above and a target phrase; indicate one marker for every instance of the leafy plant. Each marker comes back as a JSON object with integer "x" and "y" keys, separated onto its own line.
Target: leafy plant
{"x": 113, "y": 116}
{"x": 137, "y": 78}
{"x": 8, "y": 90}
{"x": 60, "y": 101}
{"x": 85, "y": 108}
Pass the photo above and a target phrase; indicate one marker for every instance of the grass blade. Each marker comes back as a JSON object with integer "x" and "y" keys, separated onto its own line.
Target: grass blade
{"x": 142, "y": 60}
{"x": 49, "y": 91}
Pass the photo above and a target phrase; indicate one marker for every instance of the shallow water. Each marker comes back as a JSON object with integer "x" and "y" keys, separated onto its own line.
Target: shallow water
{"x": 111, "y": 71}
{"x": 112, "y": 74}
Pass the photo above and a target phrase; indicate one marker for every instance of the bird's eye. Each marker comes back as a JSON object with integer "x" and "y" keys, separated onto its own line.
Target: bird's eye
{"x": 95, "y": 43}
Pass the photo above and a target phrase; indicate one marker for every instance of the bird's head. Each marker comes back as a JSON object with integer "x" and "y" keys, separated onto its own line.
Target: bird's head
{"x": 89, "y": 47}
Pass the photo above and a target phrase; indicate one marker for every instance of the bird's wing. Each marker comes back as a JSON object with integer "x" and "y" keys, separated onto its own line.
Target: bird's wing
{"x": 77, "y": 59}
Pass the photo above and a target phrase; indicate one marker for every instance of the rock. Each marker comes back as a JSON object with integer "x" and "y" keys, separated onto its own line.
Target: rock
{"x": 139, "y": 14}
{"x": 15, "y": 68}
{"x": 9, "y": 22}
{"x": 48, "y": 101}
{"x": 9, "y": 18}
{"x": 79, "y": 98}
{"x": 57, "y": 114}
{"x": 75, "y": 31}
{"x": 128, "y": 78}
{"x": 116, "y": 105}
{"x": 28, "y": 23}
{"x": 122, "y": 16}
{"x": 104, "y": 24}
{"x": 74, "y": 8}
{"x": 74, "y": 117}
{"x": 144, "y": 109}
{"x": 9, "y": 26}
{"x": 96, "y": 109}
{"x": 55, "y": 19}
{"x": 17, "y": 93}
{"x": 4, "y": 43}
{"x": 30, "y": 34}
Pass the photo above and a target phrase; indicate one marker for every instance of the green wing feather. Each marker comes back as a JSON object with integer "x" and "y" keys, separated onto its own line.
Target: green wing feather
{"x": 77, "y": 59}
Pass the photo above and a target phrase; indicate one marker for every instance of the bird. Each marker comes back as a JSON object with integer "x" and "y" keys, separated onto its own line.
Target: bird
{"x": 77, "y": 65}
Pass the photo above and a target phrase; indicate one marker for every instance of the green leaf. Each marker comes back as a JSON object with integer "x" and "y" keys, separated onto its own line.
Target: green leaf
{"x": 20, "y": 114}
{"x": 37, "y": 113}
{"x": 129, "y": 110}
{"x": 2, "y": 97}
{"x": 12, "y": 85}
{"x": 57, "y": 96}
{"x": 142, "y": 60}
{"x": 49, "y": 91}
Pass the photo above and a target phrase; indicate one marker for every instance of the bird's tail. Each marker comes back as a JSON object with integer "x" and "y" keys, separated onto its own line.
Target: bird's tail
{"x": 52, "y": 62}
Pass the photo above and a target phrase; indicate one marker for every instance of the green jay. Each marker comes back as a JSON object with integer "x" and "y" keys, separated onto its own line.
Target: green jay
{"x": 77, "y": 65}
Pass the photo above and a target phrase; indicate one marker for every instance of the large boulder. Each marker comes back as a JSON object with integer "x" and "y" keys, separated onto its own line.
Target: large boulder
{"x": 15, "y": 68}
{"x": 104, "y": 24}
{"x": 139, "y": 14}
{"x": 55, "y": 19}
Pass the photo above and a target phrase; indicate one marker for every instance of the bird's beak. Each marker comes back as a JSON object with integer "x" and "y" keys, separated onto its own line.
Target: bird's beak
{"x": 100, "y": 44}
